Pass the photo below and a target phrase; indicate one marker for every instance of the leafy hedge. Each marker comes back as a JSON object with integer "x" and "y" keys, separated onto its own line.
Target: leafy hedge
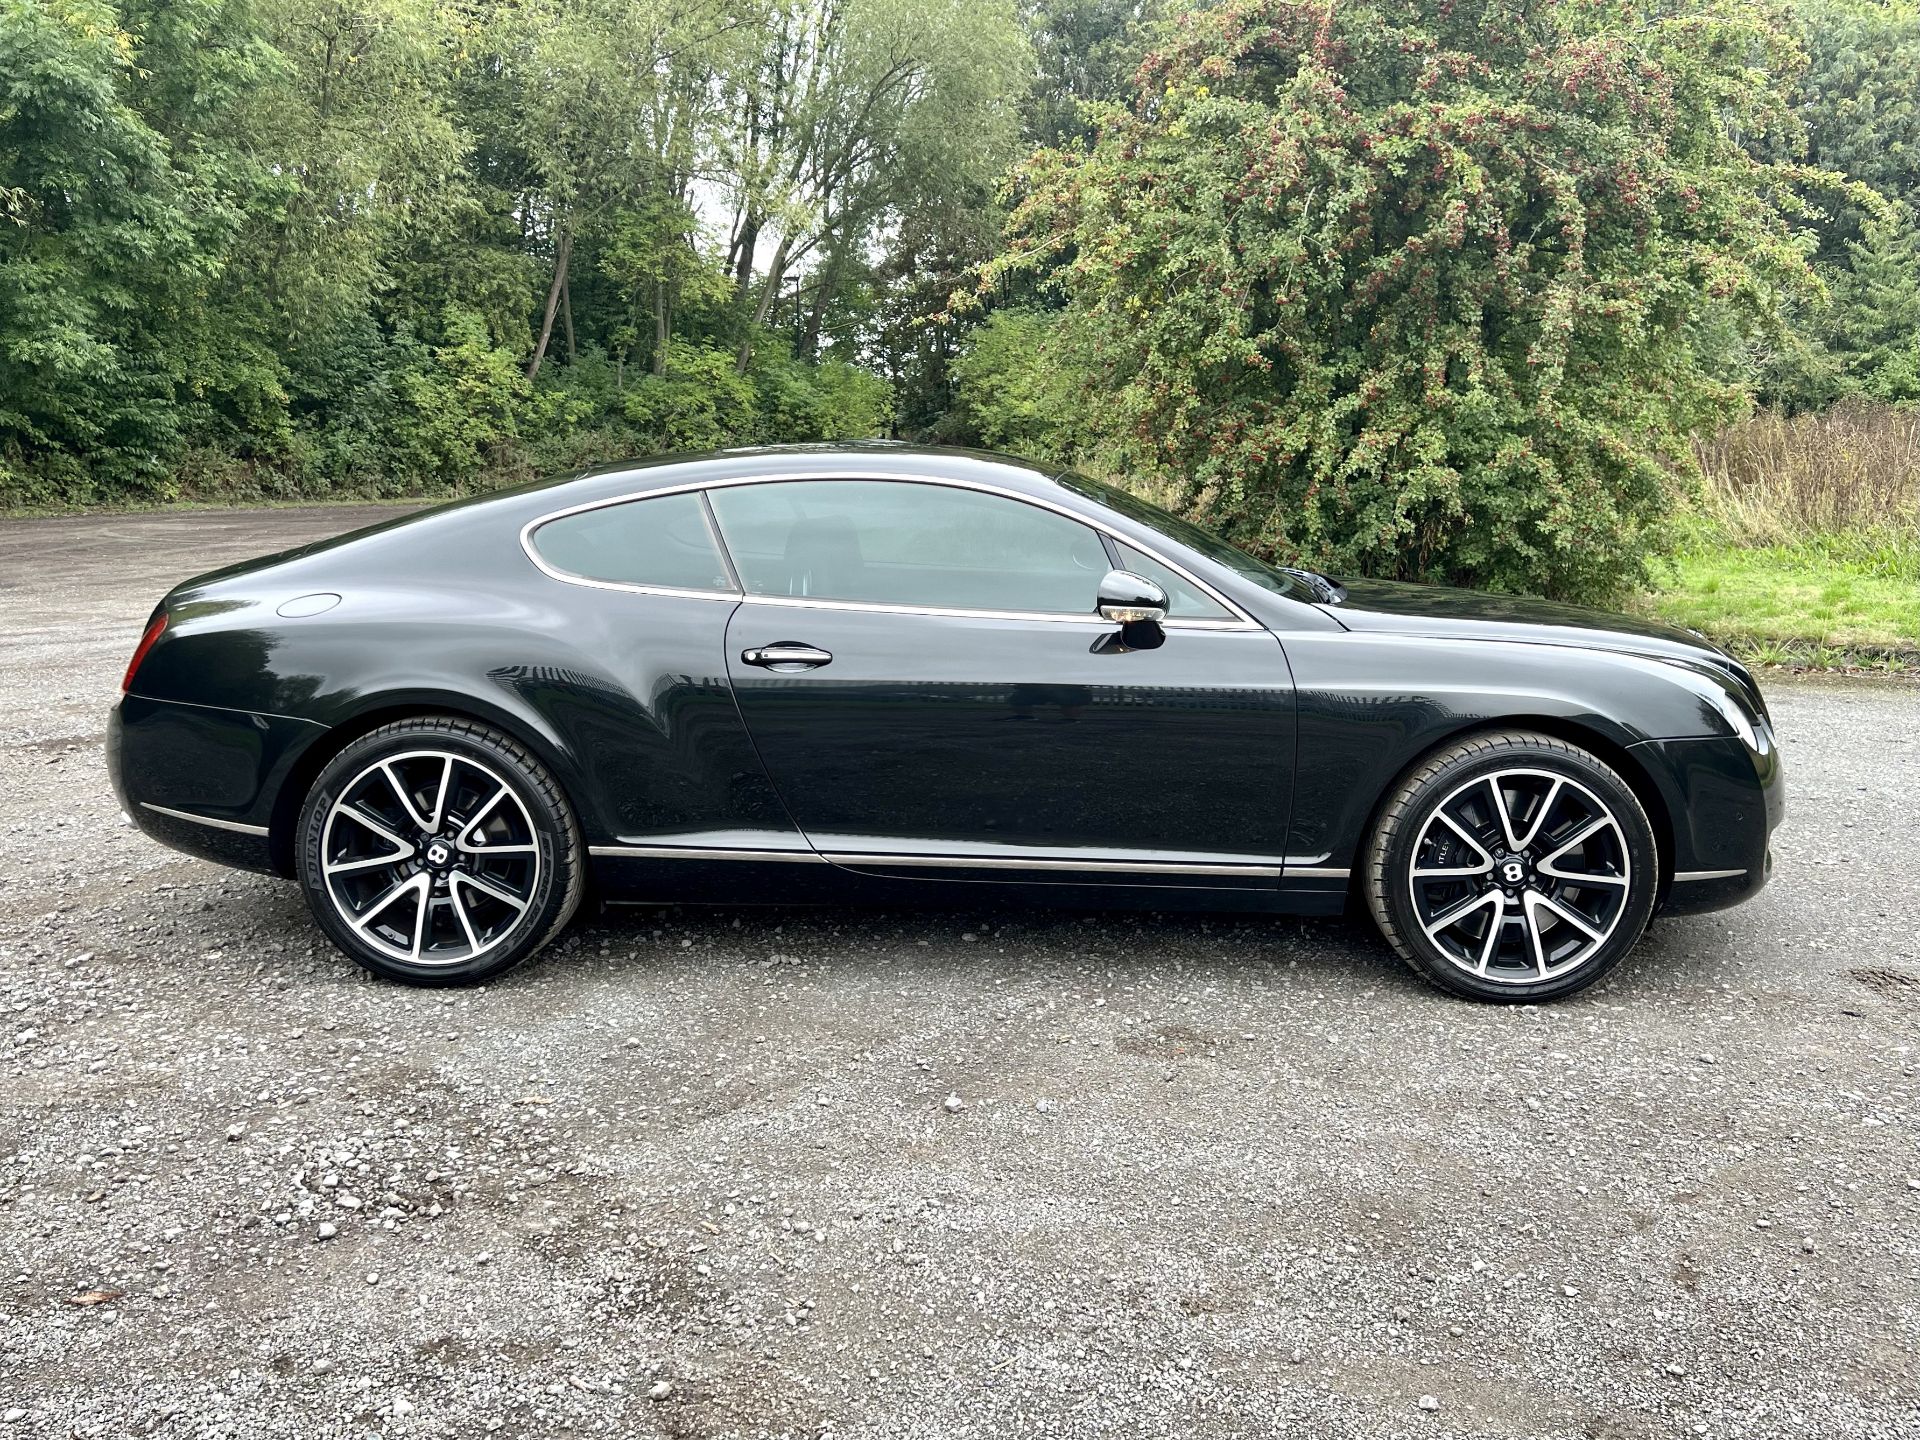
{"x": 1417, "y": 288}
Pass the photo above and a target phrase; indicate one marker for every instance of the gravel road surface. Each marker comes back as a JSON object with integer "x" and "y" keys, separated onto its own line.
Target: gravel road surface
{"x": 697, "y": 1173}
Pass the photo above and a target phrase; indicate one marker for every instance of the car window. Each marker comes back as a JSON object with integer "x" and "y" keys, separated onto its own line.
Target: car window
{"x": 1267, "y": 577}
{"x": 1185, "y": 600}
{"x": 900, "y": 543}
{"x": 665, "y": 541}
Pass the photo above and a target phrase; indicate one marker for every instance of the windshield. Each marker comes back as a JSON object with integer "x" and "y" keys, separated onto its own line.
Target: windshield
{"x": 1266, "y": 576}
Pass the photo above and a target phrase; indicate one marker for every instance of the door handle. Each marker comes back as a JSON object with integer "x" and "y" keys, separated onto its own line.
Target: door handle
{"x": 786, "y": 655}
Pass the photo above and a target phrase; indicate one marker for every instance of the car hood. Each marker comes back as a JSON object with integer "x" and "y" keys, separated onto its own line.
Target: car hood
{"x": 1384, "y": 606}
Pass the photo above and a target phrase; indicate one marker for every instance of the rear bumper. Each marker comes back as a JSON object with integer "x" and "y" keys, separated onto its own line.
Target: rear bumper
{"x": 1726, "y": 798}
{"x": 202, "y": 779}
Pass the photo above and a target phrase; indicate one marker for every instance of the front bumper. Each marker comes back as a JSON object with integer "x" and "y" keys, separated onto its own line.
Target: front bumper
{"x": 1725, "y": 798}
{"x": 202, "y": 779}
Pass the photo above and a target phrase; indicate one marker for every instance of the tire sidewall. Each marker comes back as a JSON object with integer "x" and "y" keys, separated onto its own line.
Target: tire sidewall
{"x": 1395, "y": 845}
{"x": 555, "y": 895}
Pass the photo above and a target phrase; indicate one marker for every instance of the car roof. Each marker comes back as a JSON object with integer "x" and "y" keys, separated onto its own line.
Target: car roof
{"x": 511, "y": 508}
{"x": 852, "y": 459}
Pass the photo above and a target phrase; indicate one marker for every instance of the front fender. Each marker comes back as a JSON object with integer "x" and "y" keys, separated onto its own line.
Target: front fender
{"x": 1371, "y": 704}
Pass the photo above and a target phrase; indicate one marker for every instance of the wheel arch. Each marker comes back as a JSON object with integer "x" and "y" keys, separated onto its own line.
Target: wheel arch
{"x": 307, "y": 765}
{"x": 1620, "y": 758}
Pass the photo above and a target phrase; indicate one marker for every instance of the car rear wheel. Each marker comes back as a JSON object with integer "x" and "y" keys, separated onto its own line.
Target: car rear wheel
{"x": 438, "y": 851}
{"x": 1513, "y": 867}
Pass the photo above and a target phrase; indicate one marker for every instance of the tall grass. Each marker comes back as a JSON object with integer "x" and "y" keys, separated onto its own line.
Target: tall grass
{"x": 1846, "y": 480}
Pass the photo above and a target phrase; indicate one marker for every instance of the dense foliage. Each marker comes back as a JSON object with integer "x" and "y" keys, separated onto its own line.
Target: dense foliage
{"x": 1416, "y": 287}
{"x": 387, "y": 246}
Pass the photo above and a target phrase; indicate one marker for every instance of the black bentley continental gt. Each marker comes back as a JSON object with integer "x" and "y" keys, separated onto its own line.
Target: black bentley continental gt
{"x": 877, "y": 673}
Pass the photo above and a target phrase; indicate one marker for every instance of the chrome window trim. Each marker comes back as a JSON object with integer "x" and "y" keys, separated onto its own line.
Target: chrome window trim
{"x": 808, "y": 602}
{"x": 233, "y": 825}
{"x": 1243, "y": 622}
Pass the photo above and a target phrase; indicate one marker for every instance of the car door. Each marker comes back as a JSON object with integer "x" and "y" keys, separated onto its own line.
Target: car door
{"x": 922, "y": 672}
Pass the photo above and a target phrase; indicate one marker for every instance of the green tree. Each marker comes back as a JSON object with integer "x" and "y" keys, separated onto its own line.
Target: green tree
{"x": 1015, "y": 385}
{"x": 1413, "y": 287}
{"x": 112, "y": 241}
{"x": 1085, "y": 53}
{"x": 1859, "y": 101}
{"x": 851, "y": 113}
{"x": 1876, "y": 314}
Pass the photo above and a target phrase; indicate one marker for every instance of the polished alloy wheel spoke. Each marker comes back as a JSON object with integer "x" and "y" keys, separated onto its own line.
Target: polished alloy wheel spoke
{"x": 1550, "y": 864}
{"x": 401, "y": 849}
{"x": 1540, "y": 815}
{"x": 466, "y": 921}
{"x": 1520, "y": 876}
{"x": 405, "y": 797}
{"x": 1494, "y": 931}
{"x": 414, "y": 885}
{"x": 1537, "y": 900}
{"x": 479, "y": 817}
{"x": 430, "y": 857}
{"x": 1437, "y": 872}
{"x": 1461, "y": 911}
{"x": 1528, "y": 903}
{"x": 1504, "y": 815}
{"x": 487, "y": 887}
{"x": 440, "y": 796}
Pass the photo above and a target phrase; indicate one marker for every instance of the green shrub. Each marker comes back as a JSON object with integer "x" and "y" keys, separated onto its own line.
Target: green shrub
{"x": 699, "y": 403}
{"x": 1412, "y": 288}
{"x": 455, "y": 403}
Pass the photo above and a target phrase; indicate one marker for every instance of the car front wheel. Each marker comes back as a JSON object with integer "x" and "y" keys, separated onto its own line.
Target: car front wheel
{"x": 1512, "y": 866}
{"x": 438, "y": 851}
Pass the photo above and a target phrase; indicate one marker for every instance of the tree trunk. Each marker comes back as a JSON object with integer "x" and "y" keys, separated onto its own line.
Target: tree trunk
{"x": 562, "y": 253}
{"x": 769, "y": 293}
{"x": 817, "y": 313}
{"x": 742, "y": 257}
{"x": 662, "y": 327}
{"x": 566, "y": 318}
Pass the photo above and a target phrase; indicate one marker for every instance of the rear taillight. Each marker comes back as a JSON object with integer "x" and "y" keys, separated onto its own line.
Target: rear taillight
{"x": 155, "y": 627}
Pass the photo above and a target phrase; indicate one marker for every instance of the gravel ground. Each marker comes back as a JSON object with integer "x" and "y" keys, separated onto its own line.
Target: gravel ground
{"x": 697, "y": 1173}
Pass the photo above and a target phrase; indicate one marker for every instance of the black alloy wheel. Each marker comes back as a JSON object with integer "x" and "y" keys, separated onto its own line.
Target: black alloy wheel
{"x": 1512, "y": 866}
{"x": 438, "y": 851}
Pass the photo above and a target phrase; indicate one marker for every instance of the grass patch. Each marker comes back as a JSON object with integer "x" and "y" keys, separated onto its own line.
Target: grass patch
{"x": 1833, "y": 602}
{"x": 1803, "y": 547}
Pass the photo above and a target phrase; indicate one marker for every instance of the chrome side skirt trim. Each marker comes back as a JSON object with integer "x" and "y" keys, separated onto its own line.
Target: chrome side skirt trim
{"x": 233, "y": 825}
{"x": 700, "y": 852}
{"x": 1251, "y": 870}
{"x": 1682, "y": 876}
{"x": 1117, "y": 867}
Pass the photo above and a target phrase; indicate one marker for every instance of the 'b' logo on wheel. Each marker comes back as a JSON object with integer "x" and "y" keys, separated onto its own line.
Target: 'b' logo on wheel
{"x": 1514, "y": 872}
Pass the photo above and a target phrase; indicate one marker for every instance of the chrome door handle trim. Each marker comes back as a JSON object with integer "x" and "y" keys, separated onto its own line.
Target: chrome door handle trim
{"x": 806, "y": 656}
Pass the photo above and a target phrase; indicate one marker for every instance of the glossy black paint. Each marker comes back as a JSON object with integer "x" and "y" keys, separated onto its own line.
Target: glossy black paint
{"x": 1208, "y": 761}
{"x": 967, "y": 735}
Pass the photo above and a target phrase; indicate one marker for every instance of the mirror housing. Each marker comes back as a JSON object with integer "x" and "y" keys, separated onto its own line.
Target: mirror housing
{"x": 1130, "y": 599}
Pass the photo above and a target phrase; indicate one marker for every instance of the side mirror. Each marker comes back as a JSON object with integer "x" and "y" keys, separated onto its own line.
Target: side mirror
{"x": 1130, "y": 599}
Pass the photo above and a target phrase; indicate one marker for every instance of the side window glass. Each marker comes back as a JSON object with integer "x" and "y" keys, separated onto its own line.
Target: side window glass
{"x": 891, "y": 542}
{"x": 1185, "y": 600}
{"x": 664, "y": 542}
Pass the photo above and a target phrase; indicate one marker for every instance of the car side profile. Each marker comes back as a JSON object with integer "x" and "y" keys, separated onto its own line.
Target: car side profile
{"x": 876, "y": 673}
